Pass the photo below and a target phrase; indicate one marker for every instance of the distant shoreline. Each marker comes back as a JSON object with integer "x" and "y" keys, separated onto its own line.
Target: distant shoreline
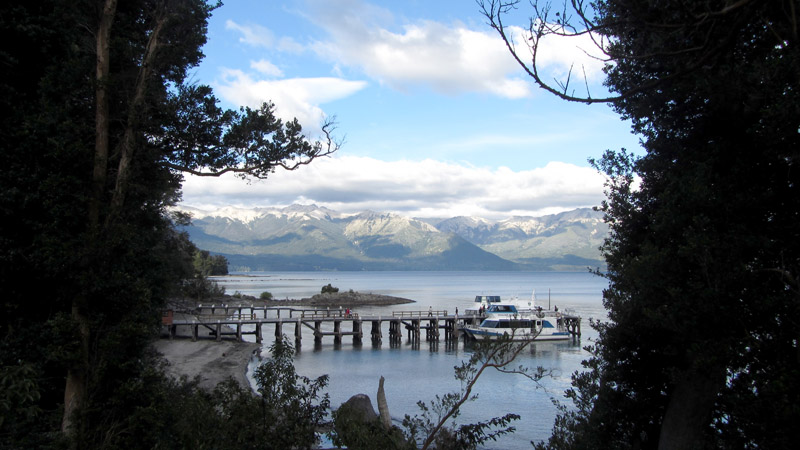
{"x": 343, "y": 299}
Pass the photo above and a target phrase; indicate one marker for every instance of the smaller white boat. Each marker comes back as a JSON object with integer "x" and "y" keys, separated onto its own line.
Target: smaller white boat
{"x": 481, "y": 304}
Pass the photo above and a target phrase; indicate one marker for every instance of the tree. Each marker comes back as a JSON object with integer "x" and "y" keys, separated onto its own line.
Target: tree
{"x": 431, "y": 429}
{"x": 328, "y": 289}
{"x": 292, "y": 405}
{"x": 99, "y": 123}
{"x": 206, "y": 264}
{"x": 703, "y": 257}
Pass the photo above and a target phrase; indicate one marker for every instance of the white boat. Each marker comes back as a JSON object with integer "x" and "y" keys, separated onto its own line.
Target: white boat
{"x": 519, "y": 321}
{"x": 481, "y": 303}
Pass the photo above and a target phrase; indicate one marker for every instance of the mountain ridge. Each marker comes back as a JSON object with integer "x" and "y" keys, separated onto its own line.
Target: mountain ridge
{"x": 308, "y": 237}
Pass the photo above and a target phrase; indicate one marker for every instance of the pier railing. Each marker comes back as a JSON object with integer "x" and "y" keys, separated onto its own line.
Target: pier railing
{"x": 429, "y": 313}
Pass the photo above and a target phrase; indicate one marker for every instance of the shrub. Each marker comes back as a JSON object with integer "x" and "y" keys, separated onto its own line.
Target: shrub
{"x": 266, "y": 295}
{"x": 201, "y": 288}
{"x": 329, "y": 289}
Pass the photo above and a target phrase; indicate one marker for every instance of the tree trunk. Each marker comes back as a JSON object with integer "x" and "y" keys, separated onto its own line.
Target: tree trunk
{"x": 135, "y": 107}
{"x": 76, "y": 388}
{"x": 686, "y": 418}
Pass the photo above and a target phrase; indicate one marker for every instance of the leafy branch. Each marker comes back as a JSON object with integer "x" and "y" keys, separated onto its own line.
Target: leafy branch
{"x": 498, "y": 355}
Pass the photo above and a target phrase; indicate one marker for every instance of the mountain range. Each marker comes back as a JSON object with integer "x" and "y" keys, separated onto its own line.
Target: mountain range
{"x": 308, "y": 237}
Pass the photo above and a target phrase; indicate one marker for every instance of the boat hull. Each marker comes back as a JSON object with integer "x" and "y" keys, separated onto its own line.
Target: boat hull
{"x": 479, "y": 333}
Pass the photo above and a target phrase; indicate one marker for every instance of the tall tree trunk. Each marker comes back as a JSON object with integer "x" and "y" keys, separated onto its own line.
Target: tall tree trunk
{"x": 135, "y": 108}
{"x": 75, "y": 388}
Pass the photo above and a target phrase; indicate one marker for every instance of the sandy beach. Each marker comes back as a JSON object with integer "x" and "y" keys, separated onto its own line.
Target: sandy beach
{"x": 211, "y": 361}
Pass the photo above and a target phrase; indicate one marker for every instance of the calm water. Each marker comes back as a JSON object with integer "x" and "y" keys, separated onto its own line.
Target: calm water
{"x": 414, "y": 374}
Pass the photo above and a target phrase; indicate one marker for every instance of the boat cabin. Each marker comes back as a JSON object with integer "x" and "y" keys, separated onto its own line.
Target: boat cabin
{"x": 507, "y": 309}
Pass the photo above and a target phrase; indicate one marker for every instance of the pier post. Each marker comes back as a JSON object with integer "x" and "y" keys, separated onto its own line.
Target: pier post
{"x": 317, "y": 331}
{"x": 219, "y": 331}
{"x": 357, "y": 333}
{"x": 395, "y": 335}
{"x": 279, "y": 329}
{"x": 298, "y": 333}
{"x": 376, "y": 331}
{"x": 194, "y": 332}
{"x": 337, "y": 331}
{"x": 258, "y": 332}
{"x": 239, "y": 331}
{"x": 415, "y": 328}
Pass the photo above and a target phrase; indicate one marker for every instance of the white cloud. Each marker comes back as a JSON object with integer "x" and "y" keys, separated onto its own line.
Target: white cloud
{"x": 449, "y": 58}
{"x": 413, "y": 188}
{"x": 294, "y": 98}
{"x": 254, "y": 35}
{"x": 267, "y": 68}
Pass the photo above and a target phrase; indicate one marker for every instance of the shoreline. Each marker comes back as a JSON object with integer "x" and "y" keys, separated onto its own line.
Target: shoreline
{"x": 213, "y": 362}
{"x": 206, "y": 359}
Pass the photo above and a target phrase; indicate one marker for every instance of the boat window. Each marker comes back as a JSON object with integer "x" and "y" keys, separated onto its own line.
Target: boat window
{"x": 547, "y": 324}
{"x": 521, "y": 323}
{"x": 501, "y": 308}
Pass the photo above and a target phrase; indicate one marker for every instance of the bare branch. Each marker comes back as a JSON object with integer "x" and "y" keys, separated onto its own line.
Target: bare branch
{"x": 575, "y": 19}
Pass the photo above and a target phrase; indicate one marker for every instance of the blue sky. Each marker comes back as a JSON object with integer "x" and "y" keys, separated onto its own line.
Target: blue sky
{"x": 438, "y": 119}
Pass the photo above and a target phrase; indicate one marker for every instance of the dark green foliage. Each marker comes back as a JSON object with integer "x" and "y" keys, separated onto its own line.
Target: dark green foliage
{"x": 704, "y": 253}
{"x": 88, "y": 250}
{"x": 201, "y": 288}
{"x": 207, "y": 264}
{"x": 292, "y": 406}
{"x": 329, "y": 289}
{"x": 265, "y": 295}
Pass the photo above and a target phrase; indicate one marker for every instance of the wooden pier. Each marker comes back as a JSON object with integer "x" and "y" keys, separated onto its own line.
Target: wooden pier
{"x": 224, "y": 320}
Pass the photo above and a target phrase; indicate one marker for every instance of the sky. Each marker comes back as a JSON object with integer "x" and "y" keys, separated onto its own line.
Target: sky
{"x": 436, "y": 117}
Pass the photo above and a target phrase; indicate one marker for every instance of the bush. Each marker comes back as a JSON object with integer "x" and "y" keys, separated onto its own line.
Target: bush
{"x": 201, "y": 288}
{"x": 265, "y": 295}
{"x": 329, "y": 289}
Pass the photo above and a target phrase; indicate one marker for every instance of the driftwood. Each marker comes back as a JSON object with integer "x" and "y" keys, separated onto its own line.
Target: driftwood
{"x": 383, "y": 407}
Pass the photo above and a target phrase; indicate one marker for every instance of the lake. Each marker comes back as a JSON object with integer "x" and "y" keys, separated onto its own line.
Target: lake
{"x": 420, "y": 373}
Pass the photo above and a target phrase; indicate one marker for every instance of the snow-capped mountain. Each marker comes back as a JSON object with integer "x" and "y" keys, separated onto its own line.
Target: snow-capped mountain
{"x": 307, "y": 237}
